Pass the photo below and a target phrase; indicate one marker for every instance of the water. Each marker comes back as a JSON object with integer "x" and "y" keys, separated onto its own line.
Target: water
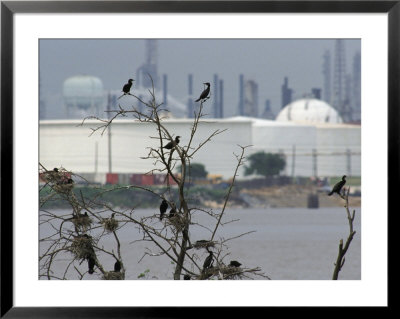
{"x": 287, "y": 244}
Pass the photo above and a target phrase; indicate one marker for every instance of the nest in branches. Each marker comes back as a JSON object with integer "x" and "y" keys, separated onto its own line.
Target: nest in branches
{"x": 63, "y": 188}
{"x": 82, "y": 247}
{"x": 231, "y": 272}
{"x": 82, "y": 221}
{"x": 204, "y": 244}
{"x": 54, "y": 176}
{"x": 113, "y": 275}
{"x": 227, "y": 272}
{"x": 177, "y": 221}
{"x": 59, "y": 179}
{"x": 110, "y": 224}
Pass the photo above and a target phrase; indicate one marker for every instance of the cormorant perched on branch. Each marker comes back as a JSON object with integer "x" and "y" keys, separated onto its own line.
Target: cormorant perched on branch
{"x": 172, "y": 212}
{"x": 163, "y": 208}
{"x": 127, "y": 87}
{"x": 235, "y": 263}
{"x": 172, "y": 144}
{"x": 205, "y": 93}
{"x": 91, "y": 263}
{"x": 338, "y": 186}
{"x": 208, "y": 261}
{"x": 117, "y": 266}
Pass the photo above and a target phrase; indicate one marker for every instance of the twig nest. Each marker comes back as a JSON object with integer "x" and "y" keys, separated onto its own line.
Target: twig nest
{"x": 208, "y": 273}
{"x": 231, "y": 272}
{"x": 177, "y": 221}
{"x": 60, "y": 179}
{"x": 113, "y": 275}
{"x": 227, "y": 272}
{"x": 203, "y": 244}
{"x": 110, "y": 224}
{"x": 82, "y": 247}
{"x": 82, "y": 221}
{"x": 64, "y": 188}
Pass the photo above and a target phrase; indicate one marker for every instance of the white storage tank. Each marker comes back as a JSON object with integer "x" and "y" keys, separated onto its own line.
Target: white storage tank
{"x": 83, "y": 96}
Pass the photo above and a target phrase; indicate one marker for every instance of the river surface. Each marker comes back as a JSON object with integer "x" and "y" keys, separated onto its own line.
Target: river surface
{"x": 286, "y": 243}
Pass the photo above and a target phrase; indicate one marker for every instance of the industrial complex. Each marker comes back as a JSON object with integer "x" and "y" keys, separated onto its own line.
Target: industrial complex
{"x": 319, "y": 134}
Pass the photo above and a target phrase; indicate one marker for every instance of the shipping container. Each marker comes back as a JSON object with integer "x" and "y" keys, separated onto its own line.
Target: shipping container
{"x": 160, "y": 179}
{"x": 136, "y": 179}
{"x": 171, "y": 180}
{"x": 124, "y": 179}
{"x": 112, "y": 178}
{"x": 147, "y": 179}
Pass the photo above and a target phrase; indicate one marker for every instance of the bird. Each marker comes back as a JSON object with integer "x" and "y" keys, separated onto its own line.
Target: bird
{"x": 208, "y": 261}
{"x": 338, "y": 186}
{"x": 205, "y": 93}
{"x": 163, "y": 208}
{"x": 91, "y": 263}
{"x": 172, "y": 143}
{"x": 172, "y": 212}
{"x": 235, "y": 263}
{"x": 186, "y": 277}
{"x": 117, "y": 266}
{"x": 127, "y": 87}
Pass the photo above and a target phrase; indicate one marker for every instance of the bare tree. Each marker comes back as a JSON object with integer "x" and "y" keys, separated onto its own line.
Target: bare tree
{"x": 169, "y": 237}
{"x": 343, "y": 249}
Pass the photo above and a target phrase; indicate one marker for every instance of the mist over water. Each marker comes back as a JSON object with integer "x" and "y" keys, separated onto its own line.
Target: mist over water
{"x": 287, "y": 243}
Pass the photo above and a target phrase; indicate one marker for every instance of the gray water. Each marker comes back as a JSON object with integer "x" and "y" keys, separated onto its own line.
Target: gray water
{"x": 287, "y": 244}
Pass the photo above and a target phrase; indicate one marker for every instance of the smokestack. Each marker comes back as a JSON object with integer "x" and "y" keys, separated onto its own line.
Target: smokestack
{"x": 316, "y": 92}
{"x": 241, "y": 94}
{"x": 286, "y": 93}
{"x": 190, "y": 100}
{"x": 215, "y": 93}
{"x": 221, "y": 99}
{"x": 165, "y": 98}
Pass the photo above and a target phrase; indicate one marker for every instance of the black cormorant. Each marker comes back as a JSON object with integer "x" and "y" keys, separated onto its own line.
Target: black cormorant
{"x": 163, "y": 208}
{"x": 91, "y": 263}
{"x": 127, "y": 87}
{"x": 208, "y": 261}
{"x": 186, "y": 277}
{"x": 172, "y": 144}
{"x": 338, "y": 186}
{"x": 205, "y": 93}
{"x": 235, "y": 263}
{"x": 172, "y": 212}
{"x": 117, "y": 266}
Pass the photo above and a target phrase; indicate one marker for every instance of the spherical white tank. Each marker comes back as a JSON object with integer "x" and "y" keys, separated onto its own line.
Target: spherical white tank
{"x": 83, "y": 92}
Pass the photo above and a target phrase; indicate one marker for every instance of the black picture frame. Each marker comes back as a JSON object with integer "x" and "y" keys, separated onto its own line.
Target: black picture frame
{"x": 9, "y": 8}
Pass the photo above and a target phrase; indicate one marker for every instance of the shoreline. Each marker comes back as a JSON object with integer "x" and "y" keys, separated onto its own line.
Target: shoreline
{"x": 241, "y": 197}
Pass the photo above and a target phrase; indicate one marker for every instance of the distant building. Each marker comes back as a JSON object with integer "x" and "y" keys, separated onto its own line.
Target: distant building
{"x": 149, "y": 67}
{"x": 64, "y": 142}
{"x": 326, "y": 71}
{"x": 286, "y": 93}
{"x": 217, "y": 92}
{"x": 309, "y": 110}
{"x": 356, "y": 80}
{"x": 316, "y": 93}
{"x": 340, "y": 102}
{"x": 241, "y": 95}
{"x": 251, "y": 99}
{"x": 42, "y": 103}
{"x": 267, "y": 113}
{"x": 83, "y": 96}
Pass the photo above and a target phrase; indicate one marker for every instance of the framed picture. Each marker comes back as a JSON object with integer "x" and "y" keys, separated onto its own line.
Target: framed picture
{"x": 38, "y": 35}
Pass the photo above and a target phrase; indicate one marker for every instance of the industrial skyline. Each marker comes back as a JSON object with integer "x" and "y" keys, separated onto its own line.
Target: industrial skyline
{"x": 248, "y": 77}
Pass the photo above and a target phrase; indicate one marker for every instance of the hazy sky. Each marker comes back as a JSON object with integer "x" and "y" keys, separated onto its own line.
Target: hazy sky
{"x": 265, "y": 61}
